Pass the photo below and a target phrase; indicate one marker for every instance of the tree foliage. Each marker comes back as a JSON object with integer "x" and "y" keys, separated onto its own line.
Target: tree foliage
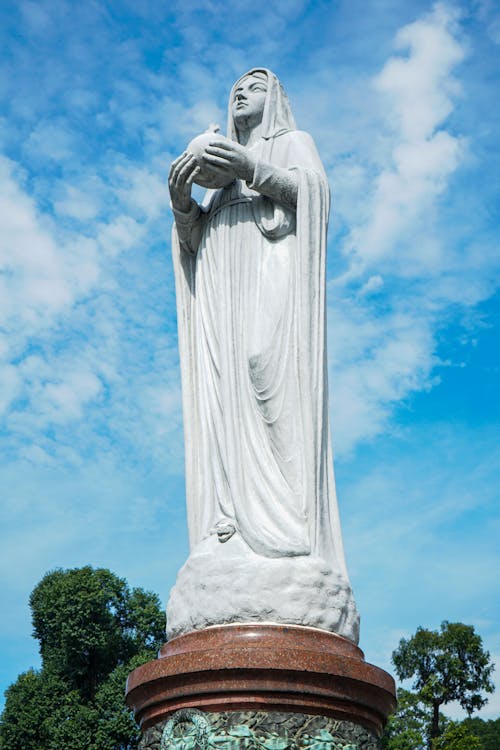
{"x": 92, "y": 630}
{"x": 488, "y": 732}
{"x": 446, "y": 665}
{"x": 409, "y": 727}
{"x": 457, "y": 736}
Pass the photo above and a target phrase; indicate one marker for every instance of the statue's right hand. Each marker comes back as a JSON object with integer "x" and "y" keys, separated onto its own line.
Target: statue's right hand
{"x": 182, "y": 173}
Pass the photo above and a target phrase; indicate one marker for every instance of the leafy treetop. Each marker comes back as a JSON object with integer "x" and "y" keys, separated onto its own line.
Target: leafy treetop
{"x": 93, "y": 630}
{"x": 447, "y": 665}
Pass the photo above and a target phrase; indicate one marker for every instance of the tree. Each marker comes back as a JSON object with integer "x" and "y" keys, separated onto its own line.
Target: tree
{"x": 457, "y": 737}
{"x": 447, "y": 665}
{"x": 26, "y": 710}
{"x": 93, "y": 630}
{"x": 408, "y": 728}
{"x": 487, "y": 731}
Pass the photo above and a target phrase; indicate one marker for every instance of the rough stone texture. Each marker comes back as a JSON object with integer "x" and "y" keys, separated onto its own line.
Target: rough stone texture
{"x": 255, "y": 730}
{"x": 310, "y": 593}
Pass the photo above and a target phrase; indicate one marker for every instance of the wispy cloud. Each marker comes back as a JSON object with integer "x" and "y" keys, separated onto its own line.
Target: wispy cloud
{"x": 402, "y": 277}
{"x": 421, "y": 524}
{"x": 421, "y": 155}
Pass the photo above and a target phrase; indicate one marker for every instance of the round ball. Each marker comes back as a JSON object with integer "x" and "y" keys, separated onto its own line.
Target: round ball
{"x": 208, "y": 177}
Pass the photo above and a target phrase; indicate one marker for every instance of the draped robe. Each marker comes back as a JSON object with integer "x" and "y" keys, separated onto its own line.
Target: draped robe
{"x": 250, "y": 283}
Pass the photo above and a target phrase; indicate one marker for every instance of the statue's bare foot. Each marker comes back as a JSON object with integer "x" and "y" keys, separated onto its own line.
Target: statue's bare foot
{"x": 225, "y": 530}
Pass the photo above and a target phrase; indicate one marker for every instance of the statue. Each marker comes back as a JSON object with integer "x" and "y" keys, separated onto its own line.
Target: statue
{"x": 249, "y": 264}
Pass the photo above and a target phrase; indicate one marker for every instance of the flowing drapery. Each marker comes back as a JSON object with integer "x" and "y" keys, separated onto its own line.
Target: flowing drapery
{"x": 251, "y": 320}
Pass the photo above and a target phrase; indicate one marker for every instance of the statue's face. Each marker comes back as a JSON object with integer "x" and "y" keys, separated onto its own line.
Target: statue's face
{"x": 248, "y": 102}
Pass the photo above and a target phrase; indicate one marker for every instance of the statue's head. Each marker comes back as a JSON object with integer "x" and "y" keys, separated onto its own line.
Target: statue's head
{"x": 257, "y": 98}
{"x": 249, "y": 98}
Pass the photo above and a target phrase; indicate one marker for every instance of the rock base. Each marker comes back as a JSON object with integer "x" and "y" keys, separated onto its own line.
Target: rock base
{"x": 301, "y": 590}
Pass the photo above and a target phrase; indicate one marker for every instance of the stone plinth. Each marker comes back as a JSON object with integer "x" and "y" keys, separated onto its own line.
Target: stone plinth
{"x": 235, "y": 672}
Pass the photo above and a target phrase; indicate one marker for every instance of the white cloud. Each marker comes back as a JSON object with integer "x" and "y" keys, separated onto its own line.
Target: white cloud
{"x": 41, "y": 276}
{"x": 403, "y": 201}
{"x": 144, "y": 192}
{"x": 119, "y": 234}
{"x": 23, "y": 239}
{"x": 382, "y": 355}
{"x": 375, "y": 364}
{"x": 487, "y": 11}
{"x": 50, "y": 140}
{"x": 65, "y": 398}
{"x": 9, "y": 386}
{"x": 419, "y": 81}
{"x": 34, "y": 286}
{"x": 78, "y": 203}
{"x": 374, "y": 284}
{"x": 82, "y": 360}
{"x": 419, "y": 90}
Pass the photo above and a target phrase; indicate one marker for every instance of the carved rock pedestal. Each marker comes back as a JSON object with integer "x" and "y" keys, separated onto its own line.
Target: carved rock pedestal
{"x": 271, "y": 687}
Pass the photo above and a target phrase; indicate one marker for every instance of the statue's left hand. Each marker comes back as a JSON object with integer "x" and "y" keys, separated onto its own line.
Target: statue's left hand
{"x": 233, "y": 156}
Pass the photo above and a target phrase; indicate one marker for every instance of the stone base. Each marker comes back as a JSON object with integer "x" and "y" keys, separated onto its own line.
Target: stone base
{"x": 302, "y": 590}
{"x": 259, "y": 670}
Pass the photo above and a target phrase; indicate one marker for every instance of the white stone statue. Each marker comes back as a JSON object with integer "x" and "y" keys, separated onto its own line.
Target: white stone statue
{"x": 249, "y": 264}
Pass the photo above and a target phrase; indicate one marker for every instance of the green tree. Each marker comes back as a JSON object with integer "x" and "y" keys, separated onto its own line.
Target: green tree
{"x": 456, "y": 736}
{"x": 408, "y": 728}
{"x": 487, "y": 731}
{"x": 447, "y": 665}
{"x": 92, "y": 630}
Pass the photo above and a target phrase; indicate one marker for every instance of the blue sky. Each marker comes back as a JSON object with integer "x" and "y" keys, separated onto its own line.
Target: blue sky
{"x": 97, "y": 98}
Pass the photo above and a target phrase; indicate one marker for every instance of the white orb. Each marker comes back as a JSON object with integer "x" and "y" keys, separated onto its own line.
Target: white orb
{"x": 209, "y": 177}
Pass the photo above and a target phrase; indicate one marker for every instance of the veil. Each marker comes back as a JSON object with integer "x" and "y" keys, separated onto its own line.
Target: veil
{"x": 277, "y": 117}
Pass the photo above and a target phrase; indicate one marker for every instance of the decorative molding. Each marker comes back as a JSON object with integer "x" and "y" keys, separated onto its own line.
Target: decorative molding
{"x": 192, "y": 729}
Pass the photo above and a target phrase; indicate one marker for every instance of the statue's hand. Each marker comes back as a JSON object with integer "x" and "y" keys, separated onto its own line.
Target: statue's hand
{"x": 233, "y": 156}
{"x": 182, "y": 173}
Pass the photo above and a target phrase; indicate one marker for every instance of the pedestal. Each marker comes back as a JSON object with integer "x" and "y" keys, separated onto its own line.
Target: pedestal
{"x": 260, "y": 686}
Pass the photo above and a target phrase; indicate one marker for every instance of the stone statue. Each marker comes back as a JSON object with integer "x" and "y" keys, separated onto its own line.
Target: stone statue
{"x": 249, "y": 265}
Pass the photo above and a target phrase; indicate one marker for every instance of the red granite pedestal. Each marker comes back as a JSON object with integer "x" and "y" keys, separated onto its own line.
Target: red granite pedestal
{"x": 275, "y": 669}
